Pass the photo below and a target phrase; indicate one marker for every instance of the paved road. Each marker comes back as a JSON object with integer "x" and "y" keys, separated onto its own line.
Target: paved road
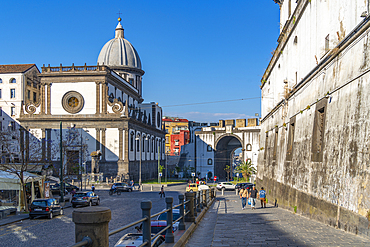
{"x": 60, "y": 230}
{"x": 226, "y": 224}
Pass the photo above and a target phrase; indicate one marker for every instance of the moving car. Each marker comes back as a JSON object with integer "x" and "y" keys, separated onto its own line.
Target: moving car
{"x": 123, "y": 187}
{"x": 192, "y": 187}
{"x": 88, "y": 198}
{"x": 203, "y": 187}
{"x": 45, "y": 207}
{"x": 225, "y": 186}
{"x": 136, "y": 239}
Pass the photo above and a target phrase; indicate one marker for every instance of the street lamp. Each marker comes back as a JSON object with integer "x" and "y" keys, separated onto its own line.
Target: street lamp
{"x": 81, "y": 158}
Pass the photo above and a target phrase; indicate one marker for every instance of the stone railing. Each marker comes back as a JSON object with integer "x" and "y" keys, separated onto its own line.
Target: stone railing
{"x": 73, "y": 68}
{"x": 91, "y": 224}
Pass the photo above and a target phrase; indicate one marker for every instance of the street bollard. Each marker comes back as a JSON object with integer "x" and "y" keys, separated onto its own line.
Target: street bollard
{"x": 195, "y": 205}
{"x": 169, "y": 235}
{"x": 190, "y": 207}
{"x": 147, "y": 235}
{"x": 222, "y": 191}
{"x": 151, "y": 187}
{"x": 182, "y": 221}
{"x": 198, "y": 201}
{"x": 236, "y": 191}
{"x": 92, "y": 222}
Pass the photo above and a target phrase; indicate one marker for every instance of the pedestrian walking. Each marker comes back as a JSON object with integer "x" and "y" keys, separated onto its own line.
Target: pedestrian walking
{"x": 244, "y": 196}
{"x": 73, "y": 192}
{"x": 253, "y": 195}
{"x": 161, "y": 193}
{"x": 132, "y": 184}
{"x": 93, "y": 188}
{"x": 262, "y": 195}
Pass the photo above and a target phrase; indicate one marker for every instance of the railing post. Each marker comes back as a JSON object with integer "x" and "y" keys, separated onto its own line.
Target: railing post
{"x": 169, "y": 235}
{"x": 147, "y": 235}
{"x": 190, "y": 207}
{"x": 204, "y": 198}
{"x": 201, "y": 200}
{"x": 92, "y": 222}
{"x": 206, "y": 193}
{"x": 198, "y": 201}
{"x": 181, "y": 201}
{"x": 195, "y": 205}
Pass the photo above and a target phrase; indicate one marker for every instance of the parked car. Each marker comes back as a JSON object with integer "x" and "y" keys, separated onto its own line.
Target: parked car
{"x": 239, "y": 186}
{"x": 88, "y": 198}
{"x": 123, "y": 187}
{"x": 55, "y": 190}
{"x": 45, "y": 207}
{"x": 203, "y": 187}
{"x": 136, "y": 239}
{"x": 192, "y": 187}
{"x": 67, "y": 186}
{"x": 225, "y": 185}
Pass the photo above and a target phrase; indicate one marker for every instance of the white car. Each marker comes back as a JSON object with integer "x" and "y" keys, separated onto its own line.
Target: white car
{"x": 225, "y": 186}
{"x": 203, "y": 187}
{"x": 136, "y": 239}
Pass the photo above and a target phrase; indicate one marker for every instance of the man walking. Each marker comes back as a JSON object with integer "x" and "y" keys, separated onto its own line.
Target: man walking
{"x": 162, "y": 192}
{"x": 244, "y": 196}
{"x": 253, "y": 195}
{"x": 262, "y": 195}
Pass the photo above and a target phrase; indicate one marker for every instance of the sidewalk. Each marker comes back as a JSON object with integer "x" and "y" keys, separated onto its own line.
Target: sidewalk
{"x": 226, "y": 224}
{"x": 24, "y": 216}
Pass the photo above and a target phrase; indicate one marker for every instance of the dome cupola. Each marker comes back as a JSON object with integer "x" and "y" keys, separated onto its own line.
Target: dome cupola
{"x": 119, "y": 52}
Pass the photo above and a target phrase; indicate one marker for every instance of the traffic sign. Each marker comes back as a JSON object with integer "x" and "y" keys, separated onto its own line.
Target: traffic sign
{"x": 160, "y": 174}
{"x": 193, "y": 174}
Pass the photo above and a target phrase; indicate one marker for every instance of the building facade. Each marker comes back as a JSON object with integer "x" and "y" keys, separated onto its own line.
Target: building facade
{"x": 315, "y": 136}
{"x": 103, "y": 107}
{"x": 177, "y": 134}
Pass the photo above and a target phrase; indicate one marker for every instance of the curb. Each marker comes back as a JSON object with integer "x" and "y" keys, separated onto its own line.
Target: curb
{"x": 187, "y": 234}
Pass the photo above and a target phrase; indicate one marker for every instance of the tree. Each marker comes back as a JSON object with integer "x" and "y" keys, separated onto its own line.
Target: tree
{"x": 227, "y": 169}
{"x": 246, "y": 168}
{"x": 18, "y": 159}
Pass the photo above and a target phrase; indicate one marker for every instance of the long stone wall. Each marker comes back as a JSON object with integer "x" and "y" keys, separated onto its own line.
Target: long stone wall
{"x": 313, "y": 207}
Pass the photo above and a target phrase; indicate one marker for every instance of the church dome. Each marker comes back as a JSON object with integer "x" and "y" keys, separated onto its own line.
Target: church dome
{"x": 119, "y": 52}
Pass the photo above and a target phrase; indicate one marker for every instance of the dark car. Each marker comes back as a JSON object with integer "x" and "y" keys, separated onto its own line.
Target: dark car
{"x": 239, "y": 186}
{"x": 88, "y": 198}
{"x": 67, "y": 186}
{"x": 45, "y": 207}
{"x": 55, "y": 190}
{"x": 123, "y": 187}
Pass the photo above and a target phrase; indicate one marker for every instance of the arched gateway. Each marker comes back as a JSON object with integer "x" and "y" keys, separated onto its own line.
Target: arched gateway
{"x": 215, "y": 146}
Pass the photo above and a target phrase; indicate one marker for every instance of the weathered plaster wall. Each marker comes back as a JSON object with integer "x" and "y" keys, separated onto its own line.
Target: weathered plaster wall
{"x": 336, "y": 189}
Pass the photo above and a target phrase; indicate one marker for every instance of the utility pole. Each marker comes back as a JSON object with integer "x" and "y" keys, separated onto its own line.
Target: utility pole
{"x": 61, "y": 164}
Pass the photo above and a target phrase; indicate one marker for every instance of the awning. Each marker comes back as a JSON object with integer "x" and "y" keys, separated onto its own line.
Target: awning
{"x": 10, "y": 181}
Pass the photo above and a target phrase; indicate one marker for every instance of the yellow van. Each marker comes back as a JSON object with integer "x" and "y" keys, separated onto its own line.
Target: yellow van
{"x": 192, "y": 187}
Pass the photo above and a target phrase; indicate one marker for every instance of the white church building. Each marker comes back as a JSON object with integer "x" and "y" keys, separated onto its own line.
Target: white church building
{"x": 102, "y": 108}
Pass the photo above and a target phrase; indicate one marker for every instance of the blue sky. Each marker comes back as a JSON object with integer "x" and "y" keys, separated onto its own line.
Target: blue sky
{"x": 192, "y": 51}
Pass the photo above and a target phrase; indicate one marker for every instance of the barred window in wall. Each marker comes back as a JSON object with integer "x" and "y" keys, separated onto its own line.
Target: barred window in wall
{"x": 209, "y": 148}
{"x": 289, "y": 151}
{"x": 249, "y": 147}
{"x": 275, "y": 143}
{"x": 209, "y": 162}
{"x": 132, "y": 142}
{"x": 318, "y": 131}
{"x": 266, "y": 145}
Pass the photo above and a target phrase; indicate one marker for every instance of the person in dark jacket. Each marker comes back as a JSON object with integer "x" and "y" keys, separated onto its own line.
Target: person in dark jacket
{"x": 253, "y": 195}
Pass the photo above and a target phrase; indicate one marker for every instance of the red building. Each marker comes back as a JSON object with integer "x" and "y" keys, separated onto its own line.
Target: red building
{"x": 178, "y": 140}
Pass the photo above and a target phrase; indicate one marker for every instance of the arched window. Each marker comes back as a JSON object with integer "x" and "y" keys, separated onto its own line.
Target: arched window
{"x": 209, "y": 148}
{"x": 137, "y": 143}
{"x": 1, "y": 80}
{"x": 132, "y": 142}
{"x": 153, "y": 145}
{"x": 13, "y": 80}
{"x": 143, "y": 144}
{"x": 249, "y": 147}
{"x": 209, "y": 162}
{"x": 148, "y": 144}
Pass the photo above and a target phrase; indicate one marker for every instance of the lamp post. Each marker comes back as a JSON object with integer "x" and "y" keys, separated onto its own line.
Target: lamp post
{"x": 139, "y": 140}
{"x": 61, "y": 164}
{"x": 81, "y": 157}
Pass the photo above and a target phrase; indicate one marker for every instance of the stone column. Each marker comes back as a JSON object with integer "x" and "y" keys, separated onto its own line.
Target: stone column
{"x": 97, "y": 144}
{"x": 97, "y": 97}
{"x": 48, "y": 138}
{"x": 27, "y": 147}
{"x": 92, "y": 222}
{"x": 42, "y": 98}
{"x": 120, "y": 143}
{"x": 48, "y": 98}
{"x": 104, "y": 97}
{"x": 103, "y": 143}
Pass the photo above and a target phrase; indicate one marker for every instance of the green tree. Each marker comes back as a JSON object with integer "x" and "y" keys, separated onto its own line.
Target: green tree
{"x": 161, "y": 168}
{"x": 227, "y": 169}
{"x": 246, "y": 168}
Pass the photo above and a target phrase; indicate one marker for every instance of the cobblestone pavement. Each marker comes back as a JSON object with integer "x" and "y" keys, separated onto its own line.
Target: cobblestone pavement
{"x": 226, "y": 224}
{"x": 60, "y": 230}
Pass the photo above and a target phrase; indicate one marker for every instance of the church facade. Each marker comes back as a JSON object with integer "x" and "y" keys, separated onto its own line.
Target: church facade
{"x": 103, "y": 106}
